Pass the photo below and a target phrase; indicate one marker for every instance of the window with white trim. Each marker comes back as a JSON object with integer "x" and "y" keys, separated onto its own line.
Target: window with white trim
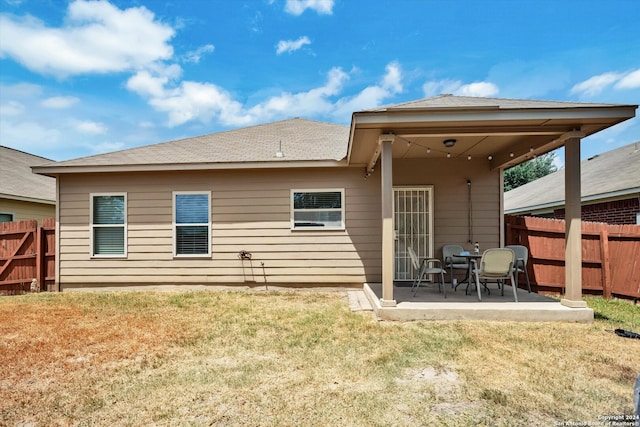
{"x": 192, "y": 224}
{"x": 109, "y": 225}
{"x": 317, "y": 209}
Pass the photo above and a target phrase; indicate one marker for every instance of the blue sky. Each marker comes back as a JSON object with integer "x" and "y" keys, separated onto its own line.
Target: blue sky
{"x": 84, "y": 77}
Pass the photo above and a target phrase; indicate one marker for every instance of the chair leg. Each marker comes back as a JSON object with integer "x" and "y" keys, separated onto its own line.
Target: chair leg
{"x": 478, "y": 286}
{"x": 418, "y": 280}
{"x": 515, "y": 288}
{"x": 413, "y": 286}
{"x": 416, "y": 285}
{"x": 444, "y": 286}
{"x": 526, "y": 275}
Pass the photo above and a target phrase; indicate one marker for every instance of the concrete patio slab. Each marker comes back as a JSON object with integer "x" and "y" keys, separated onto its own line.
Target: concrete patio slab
{"x": 429, "y": 304}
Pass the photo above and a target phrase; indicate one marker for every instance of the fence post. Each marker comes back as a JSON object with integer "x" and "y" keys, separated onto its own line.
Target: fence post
{"x": 604, "y": 254}
{"x": 39, "y": 256}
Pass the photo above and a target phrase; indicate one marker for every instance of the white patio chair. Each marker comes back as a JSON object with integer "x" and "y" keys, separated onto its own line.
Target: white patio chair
{"x": 496, "y": 264}
{"x": 427, "y": 266}
{"x": 520, "y": 265}
{"x": 453, "y": 262}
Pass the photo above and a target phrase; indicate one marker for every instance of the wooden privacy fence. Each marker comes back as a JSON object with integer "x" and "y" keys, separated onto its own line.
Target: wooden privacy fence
{"x": 610, "y": 255}
{"x": 27, "y": 256}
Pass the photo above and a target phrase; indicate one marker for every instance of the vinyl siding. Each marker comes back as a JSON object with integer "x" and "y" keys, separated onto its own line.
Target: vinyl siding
{"x": 23, "y": 211}
{"x": 451, "y": 202}
{"x": 250, "y": 211}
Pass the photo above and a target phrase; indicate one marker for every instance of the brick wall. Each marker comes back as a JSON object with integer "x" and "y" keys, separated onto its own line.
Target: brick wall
{"x": 616, "y": 212}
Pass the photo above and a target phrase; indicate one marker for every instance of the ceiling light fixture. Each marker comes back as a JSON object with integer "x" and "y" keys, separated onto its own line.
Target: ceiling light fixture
{"x": 448, "y": 155}
{"x": 490, "y": 157}
{"x": 449, "y": 143}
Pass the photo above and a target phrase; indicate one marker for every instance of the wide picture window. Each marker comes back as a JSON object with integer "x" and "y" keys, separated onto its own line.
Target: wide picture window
{"x": 192, "y": 219}
{"x": 317, "y": 209}
{"x": 109, "y": 225}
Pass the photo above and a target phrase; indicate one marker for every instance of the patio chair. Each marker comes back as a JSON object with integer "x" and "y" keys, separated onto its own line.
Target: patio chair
{"x": 453, "y": 262}
{"x": 520, "y": 266}
{"x": 427, "y": 266}
{"x": 496, "y": 264}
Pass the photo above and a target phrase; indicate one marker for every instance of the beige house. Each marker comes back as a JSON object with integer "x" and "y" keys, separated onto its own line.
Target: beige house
{"x": 304, "y": 203}
{"x": 23, "y": 195}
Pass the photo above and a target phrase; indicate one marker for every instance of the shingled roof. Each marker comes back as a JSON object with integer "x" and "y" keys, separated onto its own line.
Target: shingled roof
{"x": 453, "y": 101}
{"x": 18, "y": 183}
{"x": 610, "y": 174}
{"x": 299, "y": 139}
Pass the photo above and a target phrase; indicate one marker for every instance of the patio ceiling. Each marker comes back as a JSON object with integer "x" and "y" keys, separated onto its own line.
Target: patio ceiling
{"x": 507, "y": 131}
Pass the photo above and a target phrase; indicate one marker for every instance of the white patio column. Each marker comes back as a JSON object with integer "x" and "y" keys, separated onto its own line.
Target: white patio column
{"x": 573, "y": 225}
{"x": 386, "y": 164}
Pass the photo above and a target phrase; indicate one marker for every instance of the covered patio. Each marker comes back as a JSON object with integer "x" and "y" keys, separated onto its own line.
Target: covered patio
{"x": 454, "y": 150}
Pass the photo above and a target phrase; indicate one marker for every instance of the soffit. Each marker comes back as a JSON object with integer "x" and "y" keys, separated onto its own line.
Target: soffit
{"x": 480, "y": 131}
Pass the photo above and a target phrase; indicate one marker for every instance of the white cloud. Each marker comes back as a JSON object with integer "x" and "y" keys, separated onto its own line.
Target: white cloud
{"x": 97, "y": 37}
{"x": 20, "y": 90}
{"x": 28, "y": 136}
{"x": 372, "y": 96}
{"x": 629, "y": 81}
{"x": 194, "y": 56}
{"x": 90, "y": 127}
{"x": 60, "y": 102}
{"x": 313, "y": 102}
{"x": 297, "y": 7}
{"x": 189, "y": 101}
{"x": 456, "y": 87}
{"x": 11, "y": 108}
{"x": 292, "y": 45}
{"x": 478, "y": 89}
{"x": 106, "y": 147}
{"x": 595, "y": 84}
{"x": 199, "y": 101}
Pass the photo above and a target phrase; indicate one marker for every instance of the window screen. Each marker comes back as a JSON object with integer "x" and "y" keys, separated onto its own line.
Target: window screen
{"x": 192, "y": 224}
{"x": 108, "y": 225}
{"x": 319, "y": 209}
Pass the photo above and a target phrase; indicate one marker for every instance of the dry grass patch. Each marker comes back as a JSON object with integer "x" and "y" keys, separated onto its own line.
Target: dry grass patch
{"x": 295, "y": 358}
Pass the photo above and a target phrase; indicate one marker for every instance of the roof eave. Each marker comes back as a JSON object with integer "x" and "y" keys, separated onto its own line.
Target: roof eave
{"x": 618, "y": 113}
{"x": 55, "y": 170}
{"x": 27, "y": 199}
{"x": 602, "y": 197}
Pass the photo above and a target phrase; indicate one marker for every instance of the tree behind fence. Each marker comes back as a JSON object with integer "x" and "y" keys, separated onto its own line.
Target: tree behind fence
{"x": 610, "y": 255}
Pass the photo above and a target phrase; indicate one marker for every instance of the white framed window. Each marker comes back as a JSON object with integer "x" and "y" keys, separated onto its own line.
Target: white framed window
{"x": 318, "y": 209}
{"x": 6, "y": 217}
{"x": 108, "y": 225}
{"x": 191, "y": 224}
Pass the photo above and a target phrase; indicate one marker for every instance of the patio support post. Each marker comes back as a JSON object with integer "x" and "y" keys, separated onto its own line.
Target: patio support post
{"x": 385, "y": 143}
{"x": 573, "y": 226}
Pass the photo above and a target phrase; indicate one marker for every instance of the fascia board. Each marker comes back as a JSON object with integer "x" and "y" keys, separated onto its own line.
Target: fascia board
{"x": 54, "y": 170}
{"x": 491, "y": 114}
{"x": 27, "y": 199}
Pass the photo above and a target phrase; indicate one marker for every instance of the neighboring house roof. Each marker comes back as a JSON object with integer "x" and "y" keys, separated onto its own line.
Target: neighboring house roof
{"x": 299, "y": 140}
{"x": 17, "y": 182}
{"x": 612, "y": 174}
